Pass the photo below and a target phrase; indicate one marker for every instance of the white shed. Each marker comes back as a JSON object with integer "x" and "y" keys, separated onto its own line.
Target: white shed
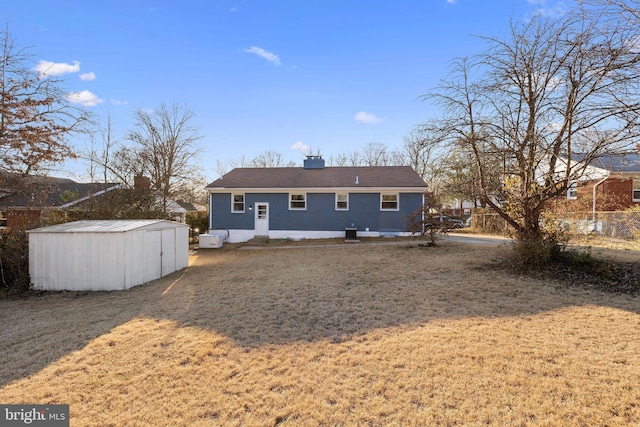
{"x": 106, "y": 255}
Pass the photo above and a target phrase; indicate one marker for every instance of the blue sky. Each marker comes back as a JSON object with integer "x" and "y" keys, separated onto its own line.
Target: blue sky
{"x": 262, "y": 75}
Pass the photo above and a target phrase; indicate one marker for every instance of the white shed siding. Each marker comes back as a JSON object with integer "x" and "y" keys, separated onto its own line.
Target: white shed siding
{"x": 135, "y": 253}
{"x": 106, "y": 255}
{"x": 182, "y": 248}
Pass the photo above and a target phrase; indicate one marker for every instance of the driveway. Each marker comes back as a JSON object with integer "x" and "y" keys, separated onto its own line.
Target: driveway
{"x": 476, "y": 239}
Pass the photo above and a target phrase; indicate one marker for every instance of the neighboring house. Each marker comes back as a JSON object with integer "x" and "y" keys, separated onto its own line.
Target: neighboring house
{"x": 139, "y": 202}
{"x": 609, "y": 184}
{"x": 26, "y": 202}
{"x": 314, "y": 201}
{"x": 36, "y": 201}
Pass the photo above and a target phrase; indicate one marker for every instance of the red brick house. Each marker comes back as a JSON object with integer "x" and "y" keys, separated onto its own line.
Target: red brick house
{"x": 613, "y": 181}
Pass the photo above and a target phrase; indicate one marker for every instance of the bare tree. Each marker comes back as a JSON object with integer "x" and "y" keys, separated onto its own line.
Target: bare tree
{"x": 36, "y": 118}
{"x": 100, "y": 156}
{"x": 338, "y": 159}
{"x": 628, "y": 9}
{"x": 543, "y": 104}
{"x": 375, "y": 154}
{"x": 418, "y": 152}
{"x": 163, "y": 147}
{"x": 270, "y": 159}
{"x": 223, "y": 167}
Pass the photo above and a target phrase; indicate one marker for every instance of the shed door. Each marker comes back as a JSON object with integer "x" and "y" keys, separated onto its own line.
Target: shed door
{"x": 153, "y": 257}
{"x": 168, "y": 252}
{"x": 262, "y": 219}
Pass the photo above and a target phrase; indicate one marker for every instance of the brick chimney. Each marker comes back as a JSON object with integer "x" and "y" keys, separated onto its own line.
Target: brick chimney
{"x": 141, "y": 182}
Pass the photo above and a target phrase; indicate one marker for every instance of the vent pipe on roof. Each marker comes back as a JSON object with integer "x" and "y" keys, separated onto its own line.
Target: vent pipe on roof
{"x": 357, "y": 181}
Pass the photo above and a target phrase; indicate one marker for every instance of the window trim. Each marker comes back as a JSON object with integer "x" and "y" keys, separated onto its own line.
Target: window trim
{"x": 291, "y": 201}
{"x": 337, "y": 201}
{"x": 397, "y": 202}
{"x": 233, "y": 202}
{"x": 635, "y": 188}
{"x": 572, "y": 190}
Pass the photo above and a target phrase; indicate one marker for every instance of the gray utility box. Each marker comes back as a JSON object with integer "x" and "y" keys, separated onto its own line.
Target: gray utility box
{"x": 208, "y": 241}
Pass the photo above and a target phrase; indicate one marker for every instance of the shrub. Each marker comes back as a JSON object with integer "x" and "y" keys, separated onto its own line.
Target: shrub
{"x": 199, "y": 221}
{"x": 14, "y": 263}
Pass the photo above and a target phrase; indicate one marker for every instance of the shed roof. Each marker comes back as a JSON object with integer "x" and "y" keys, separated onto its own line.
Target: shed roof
{"x": 328, "y": 177}
{"x": 106, "y": 226}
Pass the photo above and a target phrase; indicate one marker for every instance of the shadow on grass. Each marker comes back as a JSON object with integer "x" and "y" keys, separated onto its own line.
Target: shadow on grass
{"x": 279, "y": 297}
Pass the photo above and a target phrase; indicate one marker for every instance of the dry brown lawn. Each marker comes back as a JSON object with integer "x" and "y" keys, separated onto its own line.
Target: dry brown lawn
{"x": 349, "y": 335}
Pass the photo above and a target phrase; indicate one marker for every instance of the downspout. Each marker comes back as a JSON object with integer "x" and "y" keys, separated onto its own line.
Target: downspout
{"x": 593, "y": 212}
{"x": 210, "y": 212}
{"x": 422, "y": 214}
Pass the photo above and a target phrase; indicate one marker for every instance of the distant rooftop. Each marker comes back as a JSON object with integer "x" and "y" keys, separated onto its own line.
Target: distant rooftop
{"x": 629, "y": 163}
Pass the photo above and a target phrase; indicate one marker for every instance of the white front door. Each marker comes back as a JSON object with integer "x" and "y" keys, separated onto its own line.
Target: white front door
{"x": 262, "y": 219}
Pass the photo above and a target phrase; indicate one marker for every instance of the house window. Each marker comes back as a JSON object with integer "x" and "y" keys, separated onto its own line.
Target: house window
{"x": 237, "y": 203}
{"x": 3, "y": 221}
{"x": 342, "y": 202}
{"x": 636, "y": 190}
{"x": 389, "y": 202}
{"x": 572, "y": 190}
{"x": 298, "y": 201}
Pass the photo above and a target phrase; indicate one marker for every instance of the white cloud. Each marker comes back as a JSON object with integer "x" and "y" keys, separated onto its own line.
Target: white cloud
{"x": 451, "y": 1}
{"x": 365, "y": 117}
{"x": 553, "y": 9}
{"x": 271, "y": 57}
{"x": 299, "y": 146}
{"x": 48, "y": 68}
{"x": 118, "y": 102}
{"x": 84, "y": 98}
{"x": 88, "y": 76}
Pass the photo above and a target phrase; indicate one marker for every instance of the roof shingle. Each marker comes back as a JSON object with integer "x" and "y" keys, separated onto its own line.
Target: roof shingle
{"x": 328, "y": 177}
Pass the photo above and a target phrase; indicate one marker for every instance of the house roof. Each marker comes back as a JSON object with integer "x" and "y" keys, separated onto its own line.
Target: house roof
{"x": 40, "y": 191}
{"x": 629, "y": 163}
{"x": 188, "y": 206}
{"x": 328, "y": 177}
{"x": 130, "y": 195}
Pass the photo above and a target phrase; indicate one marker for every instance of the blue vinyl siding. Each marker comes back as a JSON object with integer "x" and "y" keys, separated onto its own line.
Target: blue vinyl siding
{"x": 320, "y": 214}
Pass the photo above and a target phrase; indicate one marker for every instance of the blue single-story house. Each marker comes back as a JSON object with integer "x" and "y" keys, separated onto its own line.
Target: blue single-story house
{"x": 314, "y": 201}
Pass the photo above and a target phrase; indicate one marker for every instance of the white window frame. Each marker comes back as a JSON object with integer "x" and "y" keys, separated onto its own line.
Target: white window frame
{"x": 291, "y": 201}
{"x": 572, "y": 190}
{"x": 635, "y": 190}
{"x": 3, "y": 221}
{"x": 233, "y": 202}
{"x": 382, "y": 201}
{"x": 342, "y": 201}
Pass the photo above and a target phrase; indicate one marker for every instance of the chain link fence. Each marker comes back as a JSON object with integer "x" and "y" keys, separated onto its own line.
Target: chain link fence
{"x": 615, "y": 225}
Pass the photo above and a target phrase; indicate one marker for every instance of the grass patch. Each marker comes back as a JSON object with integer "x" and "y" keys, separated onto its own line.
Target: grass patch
{"x": 349, "y": 335}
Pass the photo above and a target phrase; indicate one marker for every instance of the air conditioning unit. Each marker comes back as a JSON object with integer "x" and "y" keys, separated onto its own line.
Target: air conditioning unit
{"x": 210, "y": 241}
